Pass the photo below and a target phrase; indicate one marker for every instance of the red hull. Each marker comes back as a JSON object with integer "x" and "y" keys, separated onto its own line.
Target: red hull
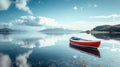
{"x": 94, "y": 44}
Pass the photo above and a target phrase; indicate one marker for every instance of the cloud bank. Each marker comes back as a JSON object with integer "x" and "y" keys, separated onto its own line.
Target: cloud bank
{"x": 20, "y": 4}
{"x": 106, "y": 17}
{"x": 85, "y": 25}
{"x": 47, "y": 22}
{"x": 37, "y": 21}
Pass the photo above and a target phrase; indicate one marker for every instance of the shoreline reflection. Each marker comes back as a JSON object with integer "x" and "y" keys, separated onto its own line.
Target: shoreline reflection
{"x": 107, "y": 36}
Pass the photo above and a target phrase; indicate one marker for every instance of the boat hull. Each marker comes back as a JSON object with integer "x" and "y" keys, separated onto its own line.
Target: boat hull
{"x": 94, "y": 44}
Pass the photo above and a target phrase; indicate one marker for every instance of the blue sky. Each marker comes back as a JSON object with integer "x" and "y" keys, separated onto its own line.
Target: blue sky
{"x": 62, "y": 11}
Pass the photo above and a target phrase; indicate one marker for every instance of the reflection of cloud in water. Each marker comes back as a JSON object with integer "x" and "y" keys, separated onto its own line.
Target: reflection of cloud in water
{"x": 41, "y": 41}
{"x": 5, "y": 38}
{"x": 25, "y": 44}
{"x": 5, "y": 61}
{"x": 20, "y": 36}
{"x": 47, "y": 42}
{"x": 21, "y": 60}
{"x": 44, "y": 40}
{"x": 52, "y": 40}
{"x": 111, "y": 41}
{"x": 75, "y": 56}
{"x": 111, "y": 45}
{"x": 112, "y": 49}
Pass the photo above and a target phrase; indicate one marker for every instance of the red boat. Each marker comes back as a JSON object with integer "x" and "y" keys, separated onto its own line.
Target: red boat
{"x": 84, "y": 43}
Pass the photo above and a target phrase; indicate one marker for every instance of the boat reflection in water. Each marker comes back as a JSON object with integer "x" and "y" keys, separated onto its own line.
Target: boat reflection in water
{"x": 91, "y": 51}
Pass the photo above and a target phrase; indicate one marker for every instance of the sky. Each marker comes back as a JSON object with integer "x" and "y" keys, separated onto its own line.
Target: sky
{"x": 78, "y": 14}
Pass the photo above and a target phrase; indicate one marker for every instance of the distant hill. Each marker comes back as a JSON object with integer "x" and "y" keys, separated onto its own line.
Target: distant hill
{"x": 59, "y": 30}
{"x": 108, "y": 28}
{"x": 8, "y": 31}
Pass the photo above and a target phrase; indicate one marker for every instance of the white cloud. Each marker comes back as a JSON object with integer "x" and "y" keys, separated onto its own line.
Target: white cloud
{"x": 92, "y": 5}
{"x": 28, "y": 20}
{"x": 4, "y": 4}
{"x": 41, "y": 40}
{"x": 95, "y": 5}
{"x": 108, "y": 16}
{"x": 37, "y": 21}
{"x": 48, "y": 21}
{"x": 75, "y": 8}
{"x": 22, "y": 5}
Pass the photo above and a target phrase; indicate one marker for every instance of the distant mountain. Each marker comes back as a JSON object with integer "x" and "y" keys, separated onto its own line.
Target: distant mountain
{"x": 8, "y": 31}
{"x": 59, "y": 30}
{"x": 108, "y": 28}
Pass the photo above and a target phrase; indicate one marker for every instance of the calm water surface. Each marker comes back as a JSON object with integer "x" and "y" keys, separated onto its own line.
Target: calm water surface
{"x": 54, "y": 50}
